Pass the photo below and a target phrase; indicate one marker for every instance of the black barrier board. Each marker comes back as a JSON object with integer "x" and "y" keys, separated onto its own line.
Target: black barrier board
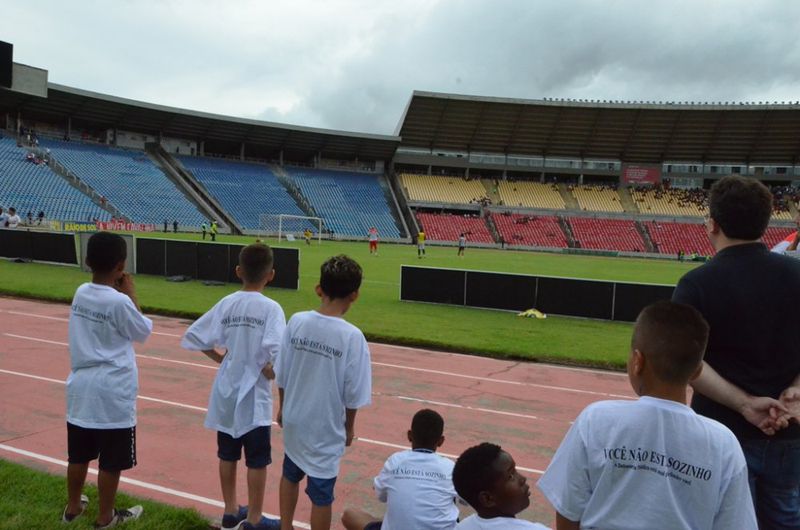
{"x": 580, "y": 298}
{"x": 212, "y": 262}
{"x": 442, "y": 286}
{"x": 54, "y": 247}
{"x": 16, "y": 244}
{"x": 151, "y": 256}
{"x": 631, "y": 298}
{"x": 501, "y": 291}
{"x": 181, "y": 258}
{"x": 286, "y": 265}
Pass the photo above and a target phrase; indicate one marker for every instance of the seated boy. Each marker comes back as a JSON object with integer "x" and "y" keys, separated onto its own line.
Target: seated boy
{"x": 486, "y": 477}
{"x": 654, "y": 462}
{"x": 249, "y": 325}
{"x": 324, "y": 377}
{"x": 416, "y": 485}
{"x": 103, "y": 383}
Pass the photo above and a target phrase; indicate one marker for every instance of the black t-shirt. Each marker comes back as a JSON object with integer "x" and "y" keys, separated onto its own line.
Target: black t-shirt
{"x": 751, "y": 299}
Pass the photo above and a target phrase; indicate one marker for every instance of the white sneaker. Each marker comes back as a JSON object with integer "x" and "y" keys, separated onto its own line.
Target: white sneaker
{"x": 69, "y": 517}
{"x": 122, "y": 516}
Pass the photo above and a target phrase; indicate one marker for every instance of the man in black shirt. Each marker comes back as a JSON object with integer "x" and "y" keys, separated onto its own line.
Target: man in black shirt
{"x": 749, "y": 296}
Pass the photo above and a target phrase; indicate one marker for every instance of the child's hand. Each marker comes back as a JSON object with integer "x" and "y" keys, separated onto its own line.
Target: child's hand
{"x": 268, "y": 372}
{"x": 125, "y": 285}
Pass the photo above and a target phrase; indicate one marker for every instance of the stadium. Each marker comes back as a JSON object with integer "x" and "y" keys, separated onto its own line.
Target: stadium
{"x": 585, "y": 210}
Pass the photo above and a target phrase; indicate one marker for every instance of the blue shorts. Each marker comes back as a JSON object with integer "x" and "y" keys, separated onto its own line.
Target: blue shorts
{"x": 375, "y": 525}
{"x": 319, "y": 490}
{"x": 256, "y": 444}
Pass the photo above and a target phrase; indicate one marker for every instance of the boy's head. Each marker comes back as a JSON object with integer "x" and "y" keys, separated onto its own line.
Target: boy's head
{"x": 340, "y": 277}
{"x": 255, "y": 264}
{"x": 740, "y": 207}
{"x": 12, "y": 210}
{"x": 668, "y": 344}
{"x": 427, "y": 428}
{"x": 486, "y": 477}
{"x": 106, "y": 253}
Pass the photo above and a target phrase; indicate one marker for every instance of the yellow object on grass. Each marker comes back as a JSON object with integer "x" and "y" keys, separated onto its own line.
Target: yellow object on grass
{"x": 532, "y": 313}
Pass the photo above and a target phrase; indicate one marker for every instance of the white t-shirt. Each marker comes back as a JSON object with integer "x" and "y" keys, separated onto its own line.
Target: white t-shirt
{"x": 649, "y": 463}
{"x": 13, "y": 221}
{"x": 373, "y": 235}
{"x": 473, "y": 522}
{"x": 104, "y": 381}
{"x": 417, "y": 487}
{"x": 324, "y": 368}
{"x": 250, "y": 326}
{"x": 3, "y": 219}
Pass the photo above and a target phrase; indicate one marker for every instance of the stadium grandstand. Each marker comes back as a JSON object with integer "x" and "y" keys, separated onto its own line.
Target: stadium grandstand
{"x": 626, "y": 177}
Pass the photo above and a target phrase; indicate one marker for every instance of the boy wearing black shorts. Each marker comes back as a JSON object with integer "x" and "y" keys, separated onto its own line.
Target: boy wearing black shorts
{"x": 103, "y": 383}
{"x": 249, "y": 326}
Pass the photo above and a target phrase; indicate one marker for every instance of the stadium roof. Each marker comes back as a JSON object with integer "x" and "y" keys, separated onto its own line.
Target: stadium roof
{"x": 632, "y": 131}
{"x": 104, "y": 111}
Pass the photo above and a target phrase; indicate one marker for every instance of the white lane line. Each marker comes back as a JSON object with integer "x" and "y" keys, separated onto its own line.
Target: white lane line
{"x": 202, "y": 409}
{"x": 35, "y": 339}
{"x": 135, "y": 482}
{"x": 503, "y": 381}
{"x": 446, "y": 455}
{"x": 61, "y": 319}
{"x": 467, "y": 407}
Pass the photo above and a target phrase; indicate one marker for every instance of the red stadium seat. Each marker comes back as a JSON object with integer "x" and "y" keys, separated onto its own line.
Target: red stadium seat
{"x": 530, "y": 230}
{"x": 607, "y": 234}
{"x": 447, "y": 227}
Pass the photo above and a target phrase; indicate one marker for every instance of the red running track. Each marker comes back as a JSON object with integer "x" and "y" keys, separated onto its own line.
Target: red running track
{"x": 525, "y": 407}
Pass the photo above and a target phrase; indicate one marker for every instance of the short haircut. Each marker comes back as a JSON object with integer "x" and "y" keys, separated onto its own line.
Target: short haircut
{"x": 105, "y": 251}
{"x": 741, "y": 206}
{"x": 427, "y": 427}
{"x": 474, "y": 471}
{"x": 673, "y": 338}
{"x": 340, "y": 276}
{"x": 255, "y": 262}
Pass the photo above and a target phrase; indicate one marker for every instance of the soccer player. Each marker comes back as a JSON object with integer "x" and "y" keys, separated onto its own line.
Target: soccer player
{"x": 373, "y": 241}
{"x": 421, "y": 244}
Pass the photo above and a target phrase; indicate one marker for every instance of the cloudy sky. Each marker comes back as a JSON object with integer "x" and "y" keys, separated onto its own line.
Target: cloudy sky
{"x": 352, "y": 64}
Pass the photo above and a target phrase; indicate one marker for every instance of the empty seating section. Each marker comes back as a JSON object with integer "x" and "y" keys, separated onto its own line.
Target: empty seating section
{"x": 129, "y": 180}
{"x": 348, "y": 202}
{"x": 782, "y": 215}
{"x": 530, "y": 230}
{"x": 448, "y": 190}
{"x": 447, "y": 227}
{"x": 597, "y": 198}
{"x": 243, "y": 189}
{"x": 30, "y": 187}
{"x": 530, "y": 195}
{"x": 670, "y": 202}
{"x": 671, "y": 238}
{"x": 607, "y": 234}
{"x": 775, "y": 235}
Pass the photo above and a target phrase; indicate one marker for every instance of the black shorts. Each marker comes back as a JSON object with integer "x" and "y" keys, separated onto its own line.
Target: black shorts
{"x": 256, "y": 444}
{"x": 115, "y": 448}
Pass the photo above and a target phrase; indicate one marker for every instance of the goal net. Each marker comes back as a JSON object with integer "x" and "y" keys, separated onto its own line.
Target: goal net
{"x": 285, "y": 226}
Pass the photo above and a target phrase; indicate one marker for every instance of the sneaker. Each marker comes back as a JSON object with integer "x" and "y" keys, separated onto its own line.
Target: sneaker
{"x": 231, "y": 521}
{"x": 69, "y": 517}
{"x": 122, "y": 516}
{"x": 264, "y": 524}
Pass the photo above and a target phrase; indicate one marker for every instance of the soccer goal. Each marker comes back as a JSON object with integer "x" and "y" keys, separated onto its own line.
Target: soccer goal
{"x": 290, "y": 227}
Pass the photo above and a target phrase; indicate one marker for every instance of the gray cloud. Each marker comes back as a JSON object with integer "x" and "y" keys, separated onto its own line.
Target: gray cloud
{"x": 353, "y": 64}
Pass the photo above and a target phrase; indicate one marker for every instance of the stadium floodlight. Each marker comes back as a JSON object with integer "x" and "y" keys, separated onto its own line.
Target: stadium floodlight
{"x": 283, "y": 225}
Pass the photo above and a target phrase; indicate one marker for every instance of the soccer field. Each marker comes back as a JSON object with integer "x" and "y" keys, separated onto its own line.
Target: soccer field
{"x": 381, "y": 315}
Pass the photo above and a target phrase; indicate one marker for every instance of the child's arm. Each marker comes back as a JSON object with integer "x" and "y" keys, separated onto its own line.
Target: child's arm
{"x": 214, "y": 355}
{"x": 350, "y": 426}
{"x": 562, "y": 523}
{"x": 279, "y": 420}
{"x": 126, "y": 286}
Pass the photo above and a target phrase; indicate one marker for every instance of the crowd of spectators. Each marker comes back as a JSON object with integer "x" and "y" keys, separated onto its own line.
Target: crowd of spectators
{"x": 682, "y": 197}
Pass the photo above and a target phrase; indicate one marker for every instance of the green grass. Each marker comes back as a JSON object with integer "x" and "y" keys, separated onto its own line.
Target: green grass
{"x": 37, "y": 500}
{"x": 381, "y": 315}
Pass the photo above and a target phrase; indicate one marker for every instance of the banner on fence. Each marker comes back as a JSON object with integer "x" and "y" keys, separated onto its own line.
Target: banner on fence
{"x": 125, "y": 227}
{"x": 68, "y": 226}
{"x": 632, "y": 174}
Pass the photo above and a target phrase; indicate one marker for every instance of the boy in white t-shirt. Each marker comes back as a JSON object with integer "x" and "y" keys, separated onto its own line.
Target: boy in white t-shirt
{"x": 654, "y": 462}
{"x": 13, "y": 219}
{"x": 250, "y": 327}
{"x": 103, "y": 382}
{"x": 486, "y": 477}
{"x": 324, "y": 377}
{"x": 416, "y": 485}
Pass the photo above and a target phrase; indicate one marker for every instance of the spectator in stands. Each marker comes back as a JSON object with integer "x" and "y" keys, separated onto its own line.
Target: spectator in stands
{"x": 486, "y": 477}
{"x": 462, "y": 244}
{"x": 40, "y": 217}
{"x": 13, "y": 219}
{"x": 175, "y": 227}
{"x": 213, "y": 230}
{"x": 204, "y": 229}
{"x": 421, "y": 244}
{"x": 29, "y": 218}
{"x": 416, "y": 484}
{"x": 3, "y": 218}
{"x": 652, "y": 463}
{"x": 750, "y": 362}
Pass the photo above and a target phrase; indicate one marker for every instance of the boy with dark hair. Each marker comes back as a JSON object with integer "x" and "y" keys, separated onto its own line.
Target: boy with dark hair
{"x": 103, "y": 382}
{"x": 324, "y": 377}
{"x": 249, "y": 326}
{"x": 486, "y": 477}
{"x": 652, "y": 463}
{"x": 416, "y": 485}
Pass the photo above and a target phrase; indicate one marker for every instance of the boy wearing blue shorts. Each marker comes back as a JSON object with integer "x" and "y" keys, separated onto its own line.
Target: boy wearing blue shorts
{"x": 324, "y": 377}
{"x": 249, "y": 326}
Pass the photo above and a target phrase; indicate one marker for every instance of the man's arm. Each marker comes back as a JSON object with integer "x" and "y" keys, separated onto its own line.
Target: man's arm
{"x": 766, "y": 413}
{"x": 562, "y": 523}
{"x": 350, "y": 425}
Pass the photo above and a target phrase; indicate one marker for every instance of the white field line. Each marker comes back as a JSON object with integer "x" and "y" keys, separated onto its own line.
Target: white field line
{"x": 135, "y": 482}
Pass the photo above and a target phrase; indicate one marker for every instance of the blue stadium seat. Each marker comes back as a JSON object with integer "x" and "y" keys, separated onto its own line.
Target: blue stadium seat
{"x": 129, "y": 180}
{"x": 32, "y": 188}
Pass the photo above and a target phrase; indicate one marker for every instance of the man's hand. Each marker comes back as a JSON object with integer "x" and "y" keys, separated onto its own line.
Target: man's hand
{"x": 790, "y": 398}
{"x": 351, "y": 434}
{"x": 769, "y": 415}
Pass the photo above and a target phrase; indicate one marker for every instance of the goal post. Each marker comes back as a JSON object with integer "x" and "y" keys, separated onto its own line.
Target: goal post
{"x": 282, "y": 225}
